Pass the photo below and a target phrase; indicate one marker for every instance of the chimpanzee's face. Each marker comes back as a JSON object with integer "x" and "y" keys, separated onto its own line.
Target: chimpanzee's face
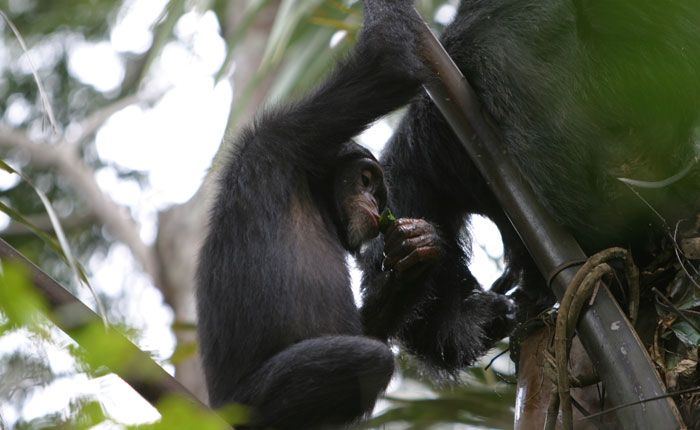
{"x": 360, "y": 195}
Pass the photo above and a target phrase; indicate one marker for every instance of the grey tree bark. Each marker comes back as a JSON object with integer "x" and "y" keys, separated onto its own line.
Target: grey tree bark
{"x": 182, "y": 227}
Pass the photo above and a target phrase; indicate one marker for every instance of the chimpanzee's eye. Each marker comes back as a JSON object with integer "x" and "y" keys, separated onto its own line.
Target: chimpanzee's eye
{"x": 366, "y": 178}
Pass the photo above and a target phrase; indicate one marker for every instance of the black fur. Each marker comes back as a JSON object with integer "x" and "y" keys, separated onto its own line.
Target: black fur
{"x": 278, "y": 326}
{"x": 582, "y": 92}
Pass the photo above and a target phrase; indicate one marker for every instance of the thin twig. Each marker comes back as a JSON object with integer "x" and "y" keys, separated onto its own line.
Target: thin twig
{"x": 39, "y": 83}
{"x": 500, "y": 354}
{"x": 639, "y": 196}
{"x": 650, "y": 399}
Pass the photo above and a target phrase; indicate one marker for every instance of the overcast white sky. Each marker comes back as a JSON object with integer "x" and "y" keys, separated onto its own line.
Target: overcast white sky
{"x": 173, "y": 142}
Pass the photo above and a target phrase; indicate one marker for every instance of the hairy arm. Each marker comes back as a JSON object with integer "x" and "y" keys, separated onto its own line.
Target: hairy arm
{"x": 381, "y": 74}
{"x": 443, "y": 315}
{"x": 402, "y": 258}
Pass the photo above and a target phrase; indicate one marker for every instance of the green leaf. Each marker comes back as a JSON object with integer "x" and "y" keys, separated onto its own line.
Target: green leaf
{"x": 19, "y": 301}
{"x": 184, "y": 351}
{"x": 86, "y": 413}
{"x": 386, "y": 220}
{"x": 304, "y": 66}
{"x": 48, "y": 239}
{"x": 162, "y": 34}
{"x": 184, "y": 326}
{"x": 103, "y": 346}
{"x": 482, "y": 408}
{"x": 686, "y": 334}
{"x": 335, "y": 24}
{"x": 683, "y": 292}
{"x": 250, "y": 14}
{"x": 290, "y": 14}
{"x": 39, "y": 83}
{"x": 180, "y": 413}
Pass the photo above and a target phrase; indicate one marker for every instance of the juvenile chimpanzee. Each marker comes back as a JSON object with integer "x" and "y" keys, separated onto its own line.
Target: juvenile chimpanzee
{"x": 278, "y": 326}
{"x": 582, "y": 92}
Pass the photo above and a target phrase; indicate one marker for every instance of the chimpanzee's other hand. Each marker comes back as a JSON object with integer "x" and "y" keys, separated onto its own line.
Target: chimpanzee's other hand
{"x": 411, "y": 246}
{"x": 502, "y": 310}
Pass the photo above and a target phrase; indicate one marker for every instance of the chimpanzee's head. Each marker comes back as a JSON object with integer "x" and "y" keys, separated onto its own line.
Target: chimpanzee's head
{"x": 360, "y": 194}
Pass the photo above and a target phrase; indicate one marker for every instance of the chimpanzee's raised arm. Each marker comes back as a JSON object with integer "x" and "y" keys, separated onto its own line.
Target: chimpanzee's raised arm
{"x": 381, "y": 73}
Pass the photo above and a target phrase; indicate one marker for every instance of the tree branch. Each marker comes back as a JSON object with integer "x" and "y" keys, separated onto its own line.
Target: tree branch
{"x": 43, "y": 222}
{"x": 67, "y": 162}
{"x": 90, "y": 125}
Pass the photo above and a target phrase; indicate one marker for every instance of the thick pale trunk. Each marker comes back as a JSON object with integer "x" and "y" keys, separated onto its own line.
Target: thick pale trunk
{"x": 181, "y": 227}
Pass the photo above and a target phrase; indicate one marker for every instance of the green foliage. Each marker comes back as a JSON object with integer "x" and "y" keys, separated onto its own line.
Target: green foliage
{"x": 48, "y": 28}
{"x": 101, "y": 350}
{"x": 163, "y": 33}
{"x": 42, "y": 18}
{"x": 19, "y": 301}
{"x": 183, "y": 352}
{"x": 687, "y": 334}
{"x": 84, "y": 414}
{"x": 386, "y": 220}
{"x": 479, "y": 397}
{"x": 680, "y": 308}
{"x": 60, "y": 243}
{"x": 20, "y": 371}
{"x": 104, "y": 348}
{"x": 180, "y": 413}
{"x": 676, "y": 337}
{"x": 475, "y": 406}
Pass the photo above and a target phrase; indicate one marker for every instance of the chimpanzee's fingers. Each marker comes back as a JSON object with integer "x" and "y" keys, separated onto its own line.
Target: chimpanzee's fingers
{"x": 401, "y": 224}
{"x": 402, "y": 249}
{"x": 405, "y": 228}
{"x": 419, "y": 255}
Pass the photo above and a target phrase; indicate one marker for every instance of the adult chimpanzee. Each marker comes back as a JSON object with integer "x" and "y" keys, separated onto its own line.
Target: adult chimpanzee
{"x": 278, "y": 326}
{"x": 582, "y": 92}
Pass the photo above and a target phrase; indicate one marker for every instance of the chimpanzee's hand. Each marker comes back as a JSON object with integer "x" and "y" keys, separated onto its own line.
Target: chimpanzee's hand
{"x": 390, "y": 33}
{"x": 411, "y": 246}
{"x": 500, "y": 311}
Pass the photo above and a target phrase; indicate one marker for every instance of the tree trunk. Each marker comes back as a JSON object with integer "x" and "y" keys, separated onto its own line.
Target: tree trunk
{"x": 182, "y": 227}
{"x": 535, "y": 387}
